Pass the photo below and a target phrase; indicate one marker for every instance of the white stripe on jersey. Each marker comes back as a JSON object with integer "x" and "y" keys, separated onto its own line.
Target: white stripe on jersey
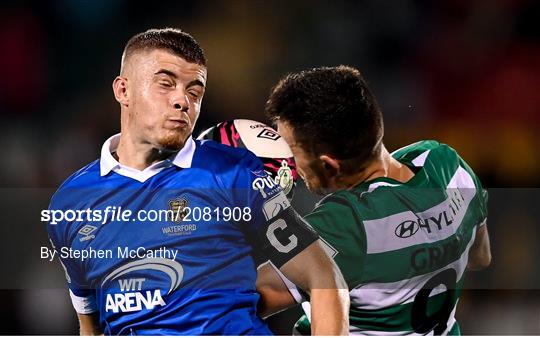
{"x": 381, "y": 235}
{"x": 421, "y": 159}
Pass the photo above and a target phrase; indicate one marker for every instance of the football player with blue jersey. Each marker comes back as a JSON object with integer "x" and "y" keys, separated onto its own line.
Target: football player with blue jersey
{"x": 191, "y": 272}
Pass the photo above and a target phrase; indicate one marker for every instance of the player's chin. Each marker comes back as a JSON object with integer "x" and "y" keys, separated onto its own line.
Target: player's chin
{"x": 316, "y": 186}
{"x": 313, "y": 187}
{"x": 318, "y": 191}
{"x": 173, "y": 140}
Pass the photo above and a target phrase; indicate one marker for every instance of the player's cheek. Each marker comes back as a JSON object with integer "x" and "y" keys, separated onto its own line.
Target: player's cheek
{"x": 194, "y": 114}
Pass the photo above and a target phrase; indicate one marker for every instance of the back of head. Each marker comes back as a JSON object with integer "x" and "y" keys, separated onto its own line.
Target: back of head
{"x": 173, "y": 40}
{"x": 332, "y": 111}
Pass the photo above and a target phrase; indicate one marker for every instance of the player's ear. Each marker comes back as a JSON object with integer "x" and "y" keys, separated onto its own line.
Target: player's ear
{"x": 119, "y": 86}
{"x": 330, "y": 165}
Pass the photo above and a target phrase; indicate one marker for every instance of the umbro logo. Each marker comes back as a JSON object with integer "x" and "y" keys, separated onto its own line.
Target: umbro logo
{"x": 87, "y": 232}
{"x": 268, "y": 134}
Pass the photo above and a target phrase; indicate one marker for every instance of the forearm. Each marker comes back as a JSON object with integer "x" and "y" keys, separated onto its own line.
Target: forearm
{"x": 480, "y": 252}
{"x": 479, "y": 261}
{"x": 89, "y": 324}
{"x": 275, "y": 296}
{"x": 330, "y": 312}
{"x": 316, "y": 273}
{"x": 85, "y": 332}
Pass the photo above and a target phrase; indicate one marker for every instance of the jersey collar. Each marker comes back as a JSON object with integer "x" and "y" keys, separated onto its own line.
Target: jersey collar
{"x": 108, "y": 163}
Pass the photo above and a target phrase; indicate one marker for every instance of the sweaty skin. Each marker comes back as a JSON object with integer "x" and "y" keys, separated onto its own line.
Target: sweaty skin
{"x": 160, "y": 96}
{"x": 322, "y": 175}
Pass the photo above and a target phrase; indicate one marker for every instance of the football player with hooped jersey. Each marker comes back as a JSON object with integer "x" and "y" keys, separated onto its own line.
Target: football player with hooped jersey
{"x": 403, "y": 227}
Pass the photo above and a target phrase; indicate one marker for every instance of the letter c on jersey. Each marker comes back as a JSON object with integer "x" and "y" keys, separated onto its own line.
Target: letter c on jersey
{"x": 271, "y": 235}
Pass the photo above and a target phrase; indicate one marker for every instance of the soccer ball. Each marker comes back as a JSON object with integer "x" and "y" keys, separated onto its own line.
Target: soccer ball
{"x": 264, "y": 142}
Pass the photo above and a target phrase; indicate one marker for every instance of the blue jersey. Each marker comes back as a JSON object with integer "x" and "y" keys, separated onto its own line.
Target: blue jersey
{"x": 182, "y": 261}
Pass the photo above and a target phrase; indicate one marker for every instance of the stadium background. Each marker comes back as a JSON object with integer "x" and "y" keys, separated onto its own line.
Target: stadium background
{"x": 465, "y": 72}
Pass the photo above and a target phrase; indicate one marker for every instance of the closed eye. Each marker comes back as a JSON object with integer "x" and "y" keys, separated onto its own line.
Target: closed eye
{"x": 165, "y": 79}
{"x": 193, "y": 94}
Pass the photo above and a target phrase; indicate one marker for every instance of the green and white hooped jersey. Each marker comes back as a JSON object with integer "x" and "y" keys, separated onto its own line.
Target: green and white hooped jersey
{"x": 403, "y": 247}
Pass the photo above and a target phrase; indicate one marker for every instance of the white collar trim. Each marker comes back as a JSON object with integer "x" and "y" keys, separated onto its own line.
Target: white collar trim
{"x": 108, "y": 163}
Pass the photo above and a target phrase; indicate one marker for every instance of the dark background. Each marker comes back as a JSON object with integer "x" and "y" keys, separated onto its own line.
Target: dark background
{"x": 464, "y": 72}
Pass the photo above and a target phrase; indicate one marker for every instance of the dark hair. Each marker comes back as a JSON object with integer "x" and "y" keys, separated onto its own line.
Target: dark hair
{"x": 331, "y": 110}
{"x": 171, "y": 39}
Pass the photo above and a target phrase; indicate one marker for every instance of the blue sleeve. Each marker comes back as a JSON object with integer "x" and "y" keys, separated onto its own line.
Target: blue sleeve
{"x": 82, "y": 295}
{"x": 59, "y": 235}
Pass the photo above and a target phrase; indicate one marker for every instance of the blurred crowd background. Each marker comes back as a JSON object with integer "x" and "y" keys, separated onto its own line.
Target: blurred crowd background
{"x": 464, "y": 72}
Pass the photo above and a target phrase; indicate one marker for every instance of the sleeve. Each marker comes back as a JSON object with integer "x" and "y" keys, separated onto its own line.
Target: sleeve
{"x": 277, "y": 229}
{"x": 481, "y": 196}
{"x": 342, "y": 235}
{"x": 335, "y": 224}
{"x": 82, "y": 295}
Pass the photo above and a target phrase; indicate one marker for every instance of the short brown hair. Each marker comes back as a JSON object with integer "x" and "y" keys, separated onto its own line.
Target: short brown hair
{"x": 331, "y": 110}
{"x": 173, "y": 40}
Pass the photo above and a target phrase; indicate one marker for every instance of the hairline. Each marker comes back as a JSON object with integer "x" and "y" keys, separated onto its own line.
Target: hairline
{"x": 149, "y": 49}
{"x": 309, "y": 147}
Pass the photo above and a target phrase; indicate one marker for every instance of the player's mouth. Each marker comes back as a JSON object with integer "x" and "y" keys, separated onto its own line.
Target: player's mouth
{"x": 177, "y": 123}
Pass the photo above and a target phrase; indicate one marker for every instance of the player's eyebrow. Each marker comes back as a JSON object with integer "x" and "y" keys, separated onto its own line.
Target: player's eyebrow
{"x": 195, "y": 82}
{"x": 192, "y": 83}
{"x": 166, "y": 72}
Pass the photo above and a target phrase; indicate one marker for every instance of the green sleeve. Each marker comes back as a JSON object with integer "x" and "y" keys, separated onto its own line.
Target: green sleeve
{"x": 340, "y": 228}
{"x": 481, "y": 197}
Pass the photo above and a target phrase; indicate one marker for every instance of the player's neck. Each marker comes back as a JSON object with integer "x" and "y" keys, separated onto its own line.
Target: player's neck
{"x": 138, "y": 155}
{"x": 383, "y": 166}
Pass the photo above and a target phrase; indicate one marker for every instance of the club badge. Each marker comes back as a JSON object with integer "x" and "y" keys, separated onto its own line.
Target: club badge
{"x": 284, "y": 177}
{"x": 178, "y": 207}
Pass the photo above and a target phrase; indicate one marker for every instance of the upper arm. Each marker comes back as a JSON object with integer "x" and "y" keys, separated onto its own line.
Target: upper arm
{"x": 274, "y": 227}
{"x": 480, "y": 252}
{"x": 81, "y": 293}
{"x": 283, "y": 288}
{"x": 341, "y": 235}
{"x": 315, "y": 271}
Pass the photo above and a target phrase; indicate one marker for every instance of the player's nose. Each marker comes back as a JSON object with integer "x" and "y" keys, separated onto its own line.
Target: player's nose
{"x": 180, "y": 102}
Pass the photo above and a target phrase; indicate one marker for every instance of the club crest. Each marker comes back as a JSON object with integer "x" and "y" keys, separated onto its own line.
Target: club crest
{"x": 284, "y": 177}
{"x": 178, "y": 208}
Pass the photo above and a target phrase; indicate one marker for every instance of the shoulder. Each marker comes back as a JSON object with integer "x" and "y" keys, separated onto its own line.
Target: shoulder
{"x": 80, "y": 179}
{"x": 82, "y": 176}
{"x": 72, "y": 192}
{"x": 214, "y": 155}
{"x": 428, "y": 153}
{"x": 423, "y": 148}
{"x": 334, "y": 211}
{"x": 340, "y": 198}
{"x": 337, "y": 220}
